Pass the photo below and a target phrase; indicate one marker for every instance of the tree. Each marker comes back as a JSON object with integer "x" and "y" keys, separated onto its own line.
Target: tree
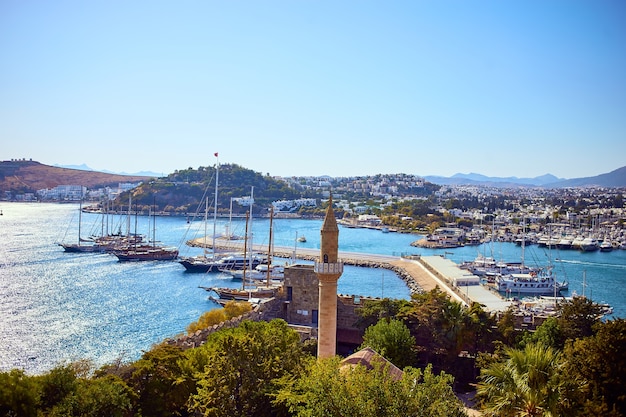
{"x": 391, "y": 339}
{"x": 478, "y": 333}
{"x": 528, "y": 382}
{"x": 56, "y": 385}
{"x": 577, "y": 318}
{"x": 219, "y": 315}
{"x": 548, "y": 334}
{"x": 598, "y": 362}
{"x": 506, "y": 328}
{"x": 328, "y": 389}
{"x": 375, "y": 310}
{"x": 62, "y": 392}
{"x": 99, "y": 397}
{"x": 155, "y": 378}
{"x": 244, "y": 363}
{"x": 435, "y": 321}
{"x": 19, "y": 394}
{"x": 207, "y": 319}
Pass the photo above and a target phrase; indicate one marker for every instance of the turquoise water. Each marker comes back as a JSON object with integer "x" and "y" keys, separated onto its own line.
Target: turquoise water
{"x": 57, "y": 306}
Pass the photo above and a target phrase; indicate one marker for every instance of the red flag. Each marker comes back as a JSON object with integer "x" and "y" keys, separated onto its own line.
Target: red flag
{"x": 215, "y": 154}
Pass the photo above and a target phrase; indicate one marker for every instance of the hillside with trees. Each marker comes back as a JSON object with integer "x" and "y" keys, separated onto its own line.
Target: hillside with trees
{"x": 185, "y": 191}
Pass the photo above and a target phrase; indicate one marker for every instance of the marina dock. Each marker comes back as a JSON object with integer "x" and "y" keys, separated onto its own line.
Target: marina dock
{"x": 422, "y": 273}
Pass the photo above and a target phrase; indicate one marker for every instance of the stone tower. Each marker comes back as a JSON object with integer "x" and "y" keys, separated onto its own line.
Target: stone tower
{"x": 328, "y": 269}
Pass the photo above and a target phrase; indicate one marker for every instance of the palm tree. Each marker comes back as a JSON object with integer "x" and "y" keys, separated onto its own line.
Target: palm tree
{"x": 527, "y": 383}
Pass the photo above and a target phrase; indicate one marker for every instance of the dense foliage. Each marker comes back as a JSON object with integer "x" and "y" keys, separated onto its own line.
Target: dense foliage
{"x": 571, "y": 365}
{"x": 328, "y": 389}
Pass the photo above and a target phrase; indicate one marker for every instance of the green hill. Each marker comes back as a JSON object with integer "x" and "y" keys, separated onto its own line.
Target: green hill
{"x": 185, "y": 191}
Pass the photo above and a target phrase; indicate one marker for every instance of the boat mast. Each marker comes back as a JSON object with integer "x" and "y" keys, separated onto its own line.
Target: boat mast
{"x": 130, "y": 205}
{"x": 153, "y": 221}
{"x": 206, "y": 213}
{"x": 269, "y": 249}
{"x": 523, "y": 240}
{"x": 250, "y": 228}
{"x": 245, "y": 249}
{"x": 80, "y": 213}
{"x": 230, "y": 220}
{"x": 136, "y": 214}
{"x": 217, "y": 176}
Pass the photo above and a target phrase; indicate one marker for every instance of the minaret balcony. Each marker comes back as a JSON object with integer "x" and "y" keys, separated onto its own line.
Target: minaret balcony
{"x": 328, "y": 268}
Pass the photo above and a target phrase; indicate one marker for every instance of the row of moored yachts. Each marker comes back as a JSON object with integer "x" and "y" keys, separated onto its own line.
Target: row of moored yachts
{"x": 582, "y": 243}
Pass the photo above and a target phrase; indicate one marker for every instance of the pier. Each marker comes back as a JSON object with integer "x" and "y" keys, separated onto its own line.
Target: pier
{"x": 421, "y": 273}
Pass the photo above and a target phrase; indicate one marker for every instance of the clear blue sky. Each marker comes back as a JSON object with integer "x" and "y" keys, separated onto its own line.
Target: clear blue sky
{"x": 303, "y": 87}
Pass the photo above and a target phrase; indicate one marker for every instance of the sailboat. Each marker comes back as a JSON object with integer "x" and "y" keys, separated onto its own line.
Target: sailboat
{"x": 259, "y": 268}
{"x": 203, "y": 263}
{"x": 229, "y": 235}
{"x": 251, "y": 292}
{"x": 147, "y": 252}
{"x": 82, "y": 245}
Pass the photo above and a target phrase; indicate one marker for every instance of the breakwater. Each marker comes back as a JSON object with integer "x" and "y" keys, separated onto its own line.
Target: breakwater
{"x": 311, "y": 255}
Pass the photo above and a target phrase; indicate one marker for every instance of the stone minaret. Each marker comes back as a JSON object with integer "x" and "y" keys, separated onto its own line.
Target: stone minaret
{"x": 328, "y": 269}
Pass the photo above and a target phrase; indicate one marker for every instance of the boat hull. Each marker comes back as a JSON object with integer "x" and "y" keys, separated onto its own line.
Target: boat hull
{"x": 147, "y": 255}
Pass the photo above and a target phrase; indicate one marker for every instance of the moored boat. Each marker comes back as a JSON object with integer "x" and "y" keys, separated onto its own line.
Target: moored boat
{"x": 589, "y": 244}
{"x": 147, "y": 253}
{"x": 606, "y": 246}
{"x": 260, "y": 273}
{"x": 541, "y": 282}
{"x": 243, "y": 294}
{"x": 565, "y": 243}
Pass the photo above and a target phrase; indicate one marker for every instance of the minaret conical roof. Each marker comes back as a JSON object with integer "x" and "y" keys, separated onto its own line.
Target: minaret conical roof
{"x": 330, "y": 222}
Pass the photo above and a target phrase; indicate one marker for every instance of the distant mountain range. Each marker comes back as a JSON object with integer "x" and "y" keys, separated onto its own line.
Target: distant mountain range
{"x": 616, "y": 178}
{"x": 84, "y": 167}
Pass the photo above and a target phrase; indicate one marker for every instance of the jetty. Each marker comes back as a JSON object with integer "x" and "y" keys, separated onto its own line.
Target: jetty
{"x": 421, "y": 273}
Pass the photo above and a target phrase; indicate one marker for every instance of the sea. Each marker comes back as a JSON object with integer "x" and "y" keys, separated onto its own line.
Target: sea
{"x": 58, "y": 307}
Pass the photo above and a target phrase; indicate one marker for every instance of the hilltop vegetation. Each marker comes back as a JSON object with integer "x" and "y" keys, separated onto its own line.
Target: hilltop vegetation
{"x": 185, "y": 191}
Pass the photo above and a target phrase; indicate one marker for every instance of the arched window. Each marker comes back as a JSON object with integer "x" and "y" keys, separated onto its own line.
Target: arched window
{"x": 325, "y": 258}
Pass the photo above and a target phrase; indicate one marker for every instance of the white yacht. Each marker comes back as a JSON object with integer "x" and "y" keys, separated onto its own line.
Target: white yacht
{"x": 589, "y": 244}
{"x": 540, "y": 282}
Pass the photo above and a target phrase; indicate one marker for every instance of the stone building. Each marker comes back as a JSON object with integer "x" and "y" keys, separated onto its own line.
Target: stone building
{"x": 301, "y": 308}
{"x": 311, "y": 290}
